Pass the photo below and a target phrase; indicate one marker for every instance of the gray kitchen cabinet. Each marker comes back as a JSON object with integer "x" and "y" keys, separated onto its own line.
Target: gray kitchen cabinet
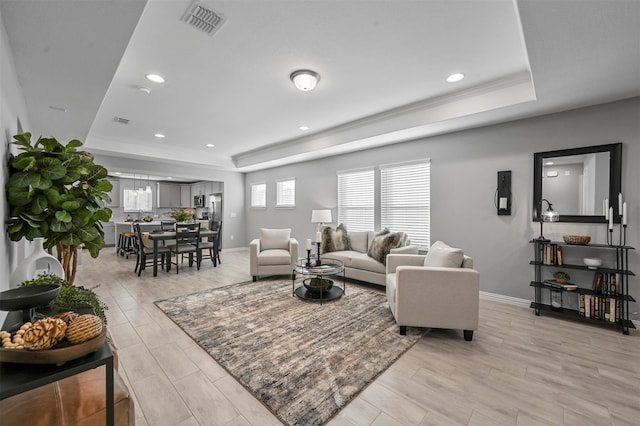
{"x": 186, "y": 200}
{"x": 109, "y": 229}
{"x": 169, "y": 195}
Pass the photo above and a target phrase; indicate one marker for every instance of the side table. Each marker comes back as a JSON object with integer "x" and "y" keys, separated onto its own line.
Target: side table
{"x": 18, "y": 378}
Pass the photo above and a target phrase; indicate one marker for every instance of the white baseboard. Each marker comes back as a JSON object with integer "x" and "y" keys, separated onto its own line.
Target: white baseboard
{"x": 525, "y": 303}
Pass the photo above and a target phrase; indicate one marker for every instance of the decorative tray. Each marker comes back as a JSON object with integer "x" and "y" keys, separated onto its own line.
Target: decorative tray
{"x": 59, "y": 354}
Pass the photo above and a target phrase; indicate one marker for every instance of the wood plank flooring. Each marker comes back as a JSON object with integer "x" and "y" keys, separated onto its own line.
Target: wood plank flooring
{"x": 519, "y": 370}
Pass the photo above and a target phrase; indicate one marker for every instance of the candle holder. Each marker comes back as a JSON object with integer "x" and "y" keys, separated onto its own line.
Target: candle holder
{"x": 624, "y": 235}
{"x": 308, "y": 264}
{"x": 610, "y": 237}
{"x": 318, "y": 261}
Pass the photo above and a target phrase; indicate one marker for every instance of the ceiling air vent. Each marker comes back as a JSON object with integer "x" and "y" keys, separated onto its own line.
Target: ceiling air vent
{"x": 203, "y": 18}
{"x": 121, "y": 120}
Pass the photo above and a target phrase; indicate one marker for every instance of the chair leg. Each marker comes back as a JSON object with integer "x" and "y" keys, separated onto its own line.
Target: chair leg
{"x": 468, "y": 335}
{"x": 255, "y": 278}
{"x": 403, "y": 330}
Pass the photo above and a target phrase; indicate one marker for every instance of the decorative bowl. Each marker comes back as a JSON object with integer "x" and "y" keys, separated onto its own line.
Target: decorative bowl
{"x": 21, "y": 298}
{"x": 577, "y": 239}
{"x": 592, "y": 262}
{"x": 317, "y": 285}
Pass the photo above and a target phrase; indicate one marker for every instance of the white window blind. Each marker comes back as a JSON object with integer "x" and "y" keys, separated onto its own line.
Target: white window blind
{"x": 356, "y": 199}
{"x": 286, "y": 193}
{"x": 405, "y": 200}
{"x": 258, "y": 195}
{"x": 136, "y": 200}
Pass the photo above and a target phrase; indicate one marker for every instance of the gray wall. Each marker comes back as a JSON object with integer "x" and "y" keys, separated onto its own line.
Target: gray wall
{"x": 463, "y": 181}
{"x": 12, "y": 107}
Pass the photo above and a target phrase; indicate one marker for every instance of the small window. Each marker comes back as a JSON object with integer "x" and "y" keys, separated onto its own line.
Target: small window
{"x": 258, "y": 195}
{"x": 136, "y": 200}
{"x": 286, "y": 193}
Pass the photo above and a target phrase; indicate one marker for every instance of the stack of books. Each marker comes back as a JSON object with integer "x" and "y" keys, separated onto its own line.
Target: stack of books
{"x": 562, "y": 286}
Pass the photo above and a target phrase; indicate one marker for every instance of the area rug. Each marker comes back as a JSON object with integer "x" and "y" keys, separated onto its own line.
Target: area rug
{"x": 303, "y": 360}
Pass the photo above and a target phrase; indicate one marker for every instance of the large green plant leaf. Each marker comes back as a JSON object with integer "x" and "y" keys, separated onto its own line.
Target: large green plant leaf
{"x": 18, "y": 196}
{"x": 63, "y": 216}
{"x": 39, "y": 204}
{"x": 54, "y": 172}
{"x": 24, "y": 162}
{"x": 51, "y": 145}
{"x": 70, "y": 205}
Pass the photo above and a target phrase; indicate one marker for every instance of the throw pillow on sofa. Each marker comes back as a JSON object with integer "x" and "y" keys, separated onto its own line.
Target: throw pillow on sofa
{"x": 274, "y": 239}
{"x": 337, "y": 240}
{"x": 440, "y": 254}
{"x": 382, "y": 244}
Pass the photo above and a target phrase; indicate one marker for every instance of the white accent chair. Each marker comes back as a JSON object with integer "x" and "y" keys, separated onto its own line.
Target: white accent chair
{"x": 434, "y": 296}
{"x": 273, "y": 253}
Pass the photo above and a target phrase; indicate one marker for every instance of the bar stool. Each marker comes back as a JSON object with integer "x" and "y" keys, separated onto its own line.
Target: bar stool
{"x": 126, "y": 244}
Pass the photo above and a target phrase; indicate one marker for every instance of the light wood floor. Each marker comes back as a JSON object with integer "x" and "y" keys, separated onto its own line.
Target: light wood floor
{"x": 519, "y": 370}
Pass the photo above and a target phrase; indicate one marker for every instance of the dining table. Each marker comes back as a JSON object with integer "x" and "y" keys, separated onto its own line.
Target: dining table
{"x": 158, "y": 237}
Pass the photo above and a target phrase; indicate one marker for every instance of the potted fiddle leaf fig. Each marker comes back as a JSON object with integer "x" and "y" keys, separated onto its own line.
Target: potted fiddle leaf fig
{"x": 181, "y": 215}
{"x": 57, "y": 192}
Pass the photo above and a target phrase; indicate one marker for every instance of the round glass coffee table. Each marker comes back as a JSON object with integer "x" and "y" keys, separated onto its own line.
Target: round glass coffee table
{"x": 316, "y": 285}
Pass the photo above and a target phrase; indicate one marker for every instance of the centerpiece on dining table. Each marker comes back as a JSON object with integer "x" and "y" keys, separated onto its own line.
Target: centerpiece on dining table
{"x": 182, "y": 215}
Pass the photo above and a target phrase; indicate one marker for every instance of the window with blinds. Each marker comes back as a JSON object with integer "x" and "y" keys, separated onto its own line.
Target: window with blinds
{"x": 405, "y": 200}
{"x": 286, "y": 193}
{"x": 356, "y": 199}
{"x": 258, "y": 195}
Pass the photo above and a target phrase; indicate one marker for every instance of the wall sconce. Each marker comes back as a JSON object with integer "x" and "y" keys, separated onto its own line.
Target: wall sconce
{"x": 548, "y": 215}
{"x": 502, "y": 198}
{"x": 321, "y": 217}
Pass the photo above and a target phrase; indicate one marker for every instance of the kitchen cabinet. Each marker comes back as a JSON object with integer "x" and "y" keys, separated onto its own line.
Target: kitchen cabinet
{"x": 186, "y": 200}
{"x": 169, "y": 195}
{"x": 109, "y": 229}
{"x": 114, "y": 194}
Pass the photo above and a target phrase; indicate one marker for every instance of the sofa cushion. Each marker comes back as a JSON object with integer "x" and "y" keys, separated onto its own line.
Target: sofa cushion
{"x": 274, "y": 238}
{"x": 382, "y": 245}
{"x": 359, "y": 241}
{"x": 365, "y": 262}
{"x": 440, "y": 254}
{"x": 343, "y": 256}
{"x": 335, "y": 240}
{"x": 274, "y": 257}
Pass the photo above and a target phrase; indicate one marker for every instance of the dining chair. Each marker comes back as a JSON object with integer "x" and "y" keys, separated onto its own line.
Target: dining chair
{"x": 187, "y": 242}
{"x": 168, "y": 225}
{"x": 144, "y": 256}
{"x": 209, "y": 249}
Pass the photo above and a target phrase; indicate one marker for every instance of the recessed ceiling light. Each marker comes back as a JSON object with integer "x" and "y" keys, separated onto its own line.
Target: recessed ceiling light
{"x": 209, "y": 145}
{"x": 156, "y": 78}
{"x": 159, "y": 135}
{"x": 455, "y": 77}
{"x": 303, "y": 127}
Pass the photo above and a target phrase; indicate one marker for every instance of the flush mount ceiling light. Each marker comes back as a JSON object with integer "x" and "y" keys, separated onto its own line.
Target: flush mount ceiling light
{"x": 144, "y": 89}
{"x": 156, "y": 78}
{"x": 305, "y": 80}
{"x": 209, "y": 145}
{"x": 303, "y": 128}
{"x": 159, "y": 135}
{"x": 455, "y": 77}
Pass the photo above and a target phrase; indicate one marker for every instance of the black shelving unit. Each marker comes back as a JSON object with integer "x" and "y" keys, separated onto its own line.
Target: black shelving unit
{"x": 621, "y": 295}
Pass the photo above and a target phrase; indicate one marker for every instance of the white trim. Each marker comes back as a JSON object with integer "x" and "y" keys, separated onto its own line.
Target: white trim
{"x": 525, "y": 303}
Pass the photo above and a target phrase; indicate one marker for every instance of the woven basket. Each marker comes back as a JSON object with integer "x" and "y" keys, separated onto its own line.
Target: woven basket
{"x": 84, "y": 328}
{"x": 577, "y": 239}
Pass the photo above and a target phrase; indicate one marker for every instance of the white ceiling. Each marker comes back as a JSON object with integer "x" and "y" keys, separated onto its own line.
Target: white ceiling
{"x": 382, "y": 63}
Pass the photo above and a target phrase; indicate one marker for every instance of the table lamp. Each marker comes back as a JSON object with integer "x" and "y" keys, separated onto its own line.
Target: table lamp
{"x": 321, "y": 217}
{"x": 548, "y": 215}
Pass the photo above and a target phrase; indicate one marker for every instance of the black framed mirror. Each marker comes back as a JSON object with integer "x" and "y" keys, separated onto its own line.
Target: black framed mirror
{"x": 577, "y": 181}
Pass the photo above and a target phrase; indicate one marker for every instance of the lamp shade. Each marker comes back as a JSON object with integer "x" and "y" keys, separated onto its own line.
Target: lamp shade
{"x": 550, "y": 215}
{"x": 321, "y": 216}
{"x": 305, "y": 80}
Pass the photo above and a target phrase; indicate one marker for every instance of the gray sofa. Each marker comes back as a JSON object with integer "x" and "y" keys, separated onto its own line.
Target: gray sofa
{"x": 358, "y": 265}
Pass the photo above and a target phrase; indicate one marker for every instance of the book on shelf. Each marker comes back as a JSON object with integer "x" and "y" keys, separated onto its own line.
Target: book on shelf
{"x": 563, "y": 286}
{"x": 599, "y": 307}
{"x": 551, "y": 254}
